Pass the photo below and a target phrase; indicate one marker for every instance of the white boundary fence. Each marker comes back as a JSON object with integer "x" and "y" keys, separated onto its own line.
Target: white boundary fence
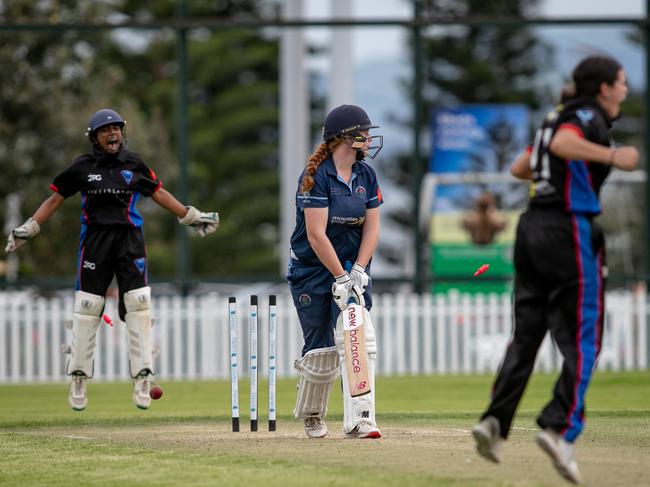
{"x": 417, "y": 334}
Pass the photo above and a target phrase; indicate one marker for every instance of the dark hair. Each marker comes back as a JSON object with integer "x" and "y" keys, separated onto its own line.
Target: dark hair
{"x": 593, "y": 71}
{"x": 568, "y": 92}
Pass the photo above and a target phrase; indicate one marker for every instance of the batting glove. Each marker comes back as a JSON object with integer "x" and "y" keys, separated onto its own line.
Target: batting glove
{"x": 22, "y": 234}
{"x": 359, "y": 276}
{"x": 202, "y": 223}
{"x": 343, "y": 289}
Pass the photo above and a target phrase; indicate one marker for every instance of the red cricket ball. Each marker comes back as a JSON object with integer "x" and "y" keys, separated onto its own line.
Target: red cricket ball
{"x": 156, "y": 392}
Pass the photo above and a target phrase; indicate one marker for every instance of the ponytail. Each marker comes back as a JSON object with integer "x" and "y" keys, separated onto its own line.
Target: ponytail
{"x": 319, "y": 155}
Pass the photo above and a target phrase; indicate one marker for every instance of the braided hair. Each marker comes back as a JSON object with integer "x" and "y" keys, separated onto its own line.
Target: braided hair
{"x": 319, "y": 155}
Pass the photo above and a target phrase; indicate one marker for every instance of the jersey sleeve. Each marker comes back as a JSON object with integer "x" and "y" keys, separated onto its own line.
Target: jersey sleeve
{"x": 583, "y": 121}
{"x": 375, "y": 198}
{"x": 68, "y": 182}
{"x": 148, "y": 183}
{"x": 318, "y": 197}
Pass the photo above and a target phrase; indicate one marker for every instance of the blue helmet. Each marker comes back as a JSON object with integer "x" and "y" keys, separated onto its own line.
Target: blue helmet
{"x": 348, "y": 121}
{"x": 101, "y": 118}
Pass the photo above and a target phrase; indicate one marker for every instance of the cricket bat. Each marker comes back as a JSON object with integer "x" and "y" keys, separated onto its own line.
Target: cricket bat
{"x": 356, "y": 355}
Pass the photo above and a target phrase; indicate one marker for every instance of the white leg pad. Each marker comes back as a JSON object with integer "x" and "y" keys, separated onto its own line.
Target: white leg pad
{"x": 318, "y": 369}
{"x": 138, "y": 324}
{"x": 360, "y": 409}
{"x": 86, "y": 315}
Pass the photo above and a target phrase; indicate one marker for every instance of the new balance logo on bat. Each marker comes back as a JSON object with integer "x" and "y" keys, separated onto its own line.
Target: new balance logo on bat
{"x": 356, "y": 357}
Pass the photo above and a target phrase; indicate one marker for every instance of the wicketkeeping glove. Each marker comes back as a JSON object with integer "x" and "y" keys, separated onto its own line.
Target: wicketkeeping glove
{"x": 202, "y": 223}
{"x": 359, "y": 276}
{"x": 22, "y": 234}
{"x": 343, "y": 289}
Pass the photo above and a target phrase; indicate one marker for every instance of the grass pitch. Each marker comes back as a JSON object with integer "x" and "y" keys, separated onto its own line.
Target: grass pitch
{"x": 185, "y": 438}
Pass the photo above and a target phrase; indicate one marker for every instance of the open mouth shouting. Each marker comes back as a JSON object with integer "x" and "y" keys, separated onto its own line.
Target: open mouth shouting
{"x": 110, "y": 138}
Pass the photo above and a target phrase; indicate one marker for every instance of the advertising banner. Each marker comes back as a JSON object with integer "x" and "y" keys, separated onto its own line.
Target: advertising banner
{"x": 474, "y": 224}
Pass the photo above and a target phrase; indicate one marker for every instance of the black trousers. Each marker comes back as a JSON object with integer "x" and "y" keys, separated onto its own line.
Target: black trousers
{"x": 107, "y": 251}
{"x": 559, "y": 286}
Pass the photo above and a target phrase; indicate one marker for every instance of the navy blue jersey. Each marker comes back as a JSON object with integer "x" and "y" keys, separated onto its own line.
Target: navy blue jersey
{"x": 110, "y": 187}
{"x": 570, "y": 185}
{"x": 346, "y": 203}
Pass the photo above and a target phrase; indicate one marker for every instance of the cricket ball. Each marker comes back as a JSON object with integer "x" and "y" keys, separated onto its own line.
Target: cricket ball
{"x": 155, "y": 392}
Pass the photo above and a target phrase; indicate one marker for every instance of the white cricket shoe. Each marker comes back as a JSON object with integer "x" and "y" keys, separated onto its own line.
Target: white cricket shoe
{"x": 364, "y": 430}
{"x": 488, "y": 438}
{"x": 78, "y": 399}
{"x": 315, "y": 427}
{"x": 141, "y": 387}
{"x": 561, "y": 452}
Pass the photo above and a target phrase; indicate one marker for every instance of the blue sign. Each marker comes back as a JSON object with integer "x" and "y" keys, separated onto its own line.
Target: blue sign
{"x": 475, "y": 138}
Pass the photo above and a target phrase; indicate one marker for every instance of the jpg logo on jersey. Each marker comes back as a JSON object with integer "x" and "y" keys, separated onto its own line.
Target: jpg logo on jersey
{"x": 89, "y": 265}
{"x": 94, "y": 177}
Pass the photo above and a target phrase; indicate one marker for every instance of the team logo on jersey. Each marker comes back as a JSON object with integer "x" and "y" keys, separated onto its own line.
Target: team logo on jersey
{"x": 304, "y": 300}
{"x": 127, "y": 175}
{"x": 585, "y": 115}
{"x": 140, "y": 264}
{"x": 361, "y": 192}
{"x": 379, "y": 195}
{"x": 94, "y": 177}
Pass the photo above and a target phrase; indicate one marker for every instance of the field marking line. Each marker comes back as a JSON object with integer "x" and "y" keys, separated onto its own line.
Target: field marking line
{"x": 73, "y": 437}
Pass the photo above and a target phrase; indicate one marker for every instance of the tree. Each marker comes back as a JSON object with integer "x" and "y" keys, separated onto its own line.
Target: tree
{"x": 43, "y": 89}
{"x": 59, "y": 78}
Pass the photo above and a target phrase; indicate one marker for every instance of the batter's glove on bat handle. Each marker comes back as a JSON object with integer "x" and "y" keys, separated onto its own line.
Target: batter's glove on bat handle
{"x": 22, "y": 234}
{"x": 343, "y": 289}
{"x": 202, "y": 223}
{"x": 359, "y": 276}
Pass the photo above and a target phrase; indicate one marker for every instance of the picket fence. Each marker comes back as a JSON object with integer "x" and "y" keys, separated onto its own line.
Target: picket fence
{"x": 417, "y": 334}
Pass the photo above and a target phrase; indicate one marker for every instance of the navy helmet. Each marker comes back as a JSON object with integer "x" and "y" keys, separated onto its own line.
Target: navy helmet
{"x": 345, "y": 120}
{"x": 101, "y": 118}
{"x": 348, "y": 121}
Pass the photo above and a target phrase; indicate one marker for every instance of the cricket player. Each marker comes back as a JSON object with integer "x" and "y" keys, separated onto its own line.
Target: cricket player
{"x": 111, "y": 180}
{"x": 559, "y": 261}
{"x": 337, "y": 222}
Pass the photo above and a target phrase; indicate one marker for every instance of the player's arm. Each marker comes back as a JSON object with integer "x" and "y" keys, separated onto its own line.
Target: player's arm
{"x": 569, "y": 144}
{"x": 203, "y": 223}
{"x": 316, "y": 223}
{"x": 48, "y": 207}
{"x": 521, "y": 166}
{"x": 370, "y": 236}
{"x": 18, "y": 236}
{"x": 167, "y": 200}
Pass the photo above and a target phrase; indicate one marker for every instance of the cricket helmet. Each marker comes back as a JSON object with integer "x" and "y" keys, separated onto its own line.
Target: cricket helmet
{"x": 347, "y": 121}
{"x": 101, "y": 118}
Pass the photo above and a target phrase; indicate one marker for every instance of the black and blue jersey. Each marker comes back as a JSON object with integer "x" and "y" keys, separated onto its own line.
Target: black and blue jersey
{"x": 570, "y": 185}
{"x": 110, "y": 187}
{"x": 346, "y": 203}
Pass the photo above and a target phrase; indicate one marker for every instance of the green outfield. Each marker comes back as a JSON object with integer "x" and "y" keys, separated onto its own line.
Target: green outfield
{"x": 185, "y": 438}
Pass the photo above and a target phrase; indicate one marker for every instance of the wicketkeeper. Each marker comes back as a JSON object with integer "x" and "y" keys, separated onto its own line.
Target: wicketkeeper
{"x": 111, "y": 180}
{"x": 337, "y": 221}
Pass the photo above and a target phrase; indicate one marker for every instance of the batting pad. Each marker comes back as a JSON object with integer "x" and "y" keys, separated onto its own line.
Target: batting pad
{"x": 318, "y": 369}
{"x": 360, "y": 409}
{"x": 138, "y": 325}
{"x": 86, "y": 315}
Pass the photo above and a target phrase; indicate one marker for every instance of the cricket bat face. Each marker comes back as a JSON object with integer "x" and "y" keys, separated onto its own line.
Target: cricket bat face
{"x": 356, "y": 355}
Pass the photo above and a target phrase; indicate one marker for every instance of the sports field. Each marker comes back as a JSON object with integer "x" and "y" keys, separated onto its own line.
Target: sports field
{"x": 185, "y": 438}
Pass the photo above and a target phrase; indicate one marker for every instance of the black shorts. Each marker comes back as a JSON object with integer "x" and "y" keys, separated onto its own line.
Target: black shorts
{"x": 107, "y": 251}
